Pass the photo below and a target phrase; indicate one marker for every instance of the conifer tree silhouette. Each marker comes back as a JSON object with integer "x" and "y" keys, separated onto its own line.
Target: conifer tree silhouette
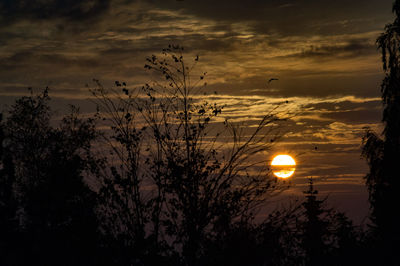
{"x": 314, "y": 228}
{"x": 327, "y": 236}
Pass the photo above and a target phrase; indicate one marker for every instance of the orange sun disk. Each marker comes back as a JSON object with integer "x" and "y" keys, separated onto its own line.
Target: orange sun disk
{"x": 283, "y": 166}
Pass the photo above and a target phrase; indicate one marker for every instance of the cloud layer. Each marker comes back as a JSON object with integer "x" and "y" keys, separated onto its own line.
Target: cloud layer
{"x": 322, "y": 52}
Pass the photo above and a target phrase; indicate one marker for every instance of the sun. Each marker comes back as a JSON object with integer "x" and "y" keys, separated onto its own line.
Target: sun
{"x": 283, "y": 166}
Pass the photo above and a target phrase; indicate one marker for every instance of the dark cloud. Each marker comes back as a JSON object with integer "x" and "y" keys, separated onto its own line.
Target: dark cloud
{"x": 325, "y": 83}
{"x": 353, "y": 48}
{"x": 310, "y": 82}
{"x": 72, "y": 10}
{"x": 303, "y": 17}
{"x": 356, "y": 116}
{"x": 28, "y": 58}
{"x": 283, "y": 17}
{"x": 341, "y": 106}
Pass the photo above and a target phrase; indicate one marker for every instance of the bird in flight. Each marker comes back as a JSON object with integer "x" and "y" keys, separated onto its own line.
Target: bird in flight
{"x": 272, "y": 79}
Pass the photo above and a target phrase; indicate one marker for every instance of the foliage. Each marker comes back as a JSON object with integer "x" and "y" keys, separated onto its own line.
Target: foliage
{"x": 54, "y": 210}
{"x": 203, "y": 173}
{"x": 383, "y": 154}
{"x": 127, "y": 210}
{"x": 171, "y": 183}
{"x": 270, "y": 242}
{"x": 8, "y": 204}
{"x": 325, "y": 235}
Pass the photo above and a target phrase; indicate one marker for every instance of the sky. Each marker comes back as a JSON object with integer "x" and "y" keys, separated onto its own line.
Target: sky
{"x": 323, "y": 53}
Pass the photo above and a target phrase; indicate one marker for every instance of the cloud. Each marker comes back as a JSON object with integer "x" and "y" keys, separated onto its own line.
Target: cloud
{"x": 352, "y": 48}
{"x": 239, "y": 56}
{"x": 289, "y": 18}
{"x": 323, "y": 53}
{"x": 72, "y": 10}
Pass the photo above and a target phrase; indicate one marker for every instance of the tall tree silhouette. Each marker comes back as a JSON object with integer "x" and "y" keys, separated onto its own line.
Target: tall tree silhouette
{"x": 207, "y": 184}
{"x": 130, "y": 214}
{"x": 383, "y": 154}
{"x": 201, "y": 184}
{"x": 55, "y": 208}
{"x": 314, "y": 228}
{"x": 326, "y": 236}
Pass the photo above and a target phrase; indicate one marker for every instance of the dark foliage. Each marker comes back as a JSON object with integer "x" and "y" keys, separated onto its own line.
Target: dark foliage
{"x": 327, "y": 237}
{"x": 383, "y": 153}
{"x": 51, "y": 209}
{"x": 170, "y": 184}
{"x": 166, "y": 140}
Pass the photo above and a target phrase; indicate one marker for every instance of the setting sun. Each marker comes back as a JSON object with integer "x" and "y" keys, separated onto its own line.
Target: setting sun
{"x": 283, "y": 166}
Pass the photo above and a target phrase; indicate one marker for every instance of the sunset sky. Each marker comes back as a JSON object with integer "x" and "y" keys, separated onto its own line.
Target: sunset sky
{"x": 323, "y": 53}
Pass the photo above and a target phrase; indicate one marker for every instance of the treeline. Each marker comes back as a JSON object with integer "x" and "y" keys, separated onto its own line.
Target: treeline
{"x": 157, "y": 177}
{"x": 152, "y": 178}
{"x": 63, "y": 202}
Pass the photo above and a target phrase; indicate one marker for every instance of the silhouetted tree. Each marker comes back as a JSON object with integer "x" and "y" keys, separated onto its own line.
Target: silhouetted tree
{"x": 8, "y": 204}
{"x": 129, "y": 213}
{"x": 206, "y": 187}
{"x": 315, "y": 232}
{"x": 271, "y": 242}
{"x": 347, "y": 245}
{"x": 383, "y": 154}
{"x": 279, "y": 236}
{"x": 44, "y": 171}
{"x": 174, "y": 169}
{"x": 327, "y": 237}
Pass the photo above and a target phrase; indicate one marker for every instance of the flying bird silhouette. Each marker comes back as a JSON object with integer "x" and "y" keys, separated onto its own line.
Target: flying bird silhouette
{"x": 272, "y": 79}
